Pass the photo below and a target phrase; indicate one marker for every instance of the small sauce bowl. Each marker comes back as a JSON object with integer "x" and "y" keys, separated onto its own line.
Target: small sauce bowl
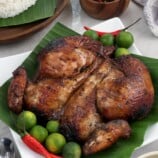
{"x": 104, "y": 10}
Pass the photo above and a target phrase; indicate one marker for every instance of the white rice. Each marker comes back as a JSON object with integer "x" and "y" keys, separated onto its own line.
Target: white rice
{"x": 11, "y": 8}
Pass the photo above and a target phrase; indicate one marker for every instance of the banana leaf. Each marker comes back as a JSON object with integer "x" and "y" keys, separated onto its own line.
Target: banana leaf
{"x": 41, "y": 10}
{"x": 123, "y": 148}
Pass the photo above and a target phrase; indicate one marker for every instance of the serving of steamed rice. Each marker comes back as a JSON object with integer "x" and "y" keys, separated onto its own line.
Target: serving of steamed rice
{"x": 11, "y": 8}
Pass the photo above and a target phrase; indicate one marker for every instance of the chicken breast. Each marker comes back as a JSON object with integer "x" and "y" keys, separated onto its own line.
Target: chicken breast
{"x": 67, "y": 57}
{"x": 80, "y": 114}
{"x": 47, "y": 97}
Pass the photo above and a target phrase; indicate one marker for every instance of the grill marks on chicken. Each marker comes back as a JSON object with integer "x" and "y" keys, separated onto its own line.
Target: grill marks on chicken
{"x": 78, "y": 84}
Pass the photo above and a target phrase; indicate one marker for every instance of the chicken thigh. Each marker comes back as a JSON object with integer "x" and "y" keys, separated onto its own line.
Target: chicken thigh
{"x": 128, "y": 96}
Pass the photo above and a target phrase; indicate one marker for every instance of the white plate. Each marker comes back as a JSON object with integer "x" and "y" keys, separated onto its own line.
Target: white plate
{"x": 153, "y": 154}
{"x": 12, "y": 62}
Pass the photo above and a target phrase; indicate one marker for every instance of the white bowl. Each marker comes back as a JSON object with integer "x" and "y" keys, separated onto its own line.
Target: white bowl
{"x": 153, "y": 154}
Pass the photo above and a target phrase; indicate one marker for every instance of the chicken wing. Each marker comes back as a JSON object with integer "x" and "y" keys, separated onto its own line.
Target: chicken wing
{"x": 16, "y": 90}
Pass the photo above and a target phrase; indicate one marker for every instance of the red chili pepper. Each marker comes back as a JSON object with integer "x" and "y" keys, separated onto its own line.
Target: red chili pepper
{"x": 100, "y": 33}
{"x": 114, "y": 33}
{"x": 36, "y": 146}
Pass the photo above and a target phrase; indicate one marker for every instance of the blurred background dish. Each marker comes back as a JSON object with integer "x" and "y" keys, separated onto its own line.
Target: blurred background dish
{"x": 13, "y": 33}
{"x": 104, "y": 9}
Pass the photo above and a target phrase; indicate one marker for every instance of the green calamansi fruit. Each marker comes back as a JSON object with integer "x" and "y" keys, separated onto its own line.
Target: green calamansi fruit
{"x": 39, "y": 133}
{"x": 26, "y": 120}
{"x": 107, "y": 39}
{"x": 120, "y": 52}
{"x": 52, "y": 126}
{"x": 124, "y": 39}
{"x": 71, "y": 150}
{"x": 92, "y": 34}
{"x": 55, "y": 142}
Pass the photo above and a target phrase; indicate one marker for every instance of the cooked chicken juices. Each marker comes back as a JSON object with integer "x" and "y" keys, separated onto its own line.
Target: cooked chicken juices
{"x": 91, "y": 94}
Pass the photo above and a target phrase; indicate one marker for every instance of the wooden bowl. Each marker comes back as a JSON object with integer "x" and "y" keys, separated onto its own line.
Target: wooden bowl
{"x": 104, "y": 10}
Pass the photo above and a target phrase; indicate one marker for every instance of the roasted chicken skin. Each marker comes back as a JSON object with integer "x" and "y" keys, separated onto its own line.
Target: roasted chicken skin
{"x": 67, "y": 57}
{"x": 48, "y": 97}
{"x": 80, "y": 114}
{"x": 91, "y": 94}
{"x": 105, "y": 135}
{"x": 16, "y": 90}
{"x": 81, "y": 120}
{"x": 129, "y": 95}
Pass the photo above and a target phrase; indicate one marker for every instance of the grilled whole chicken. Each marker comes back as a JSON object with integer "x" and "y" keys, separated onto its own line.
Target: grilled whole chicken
{"x": 91, "y": 94}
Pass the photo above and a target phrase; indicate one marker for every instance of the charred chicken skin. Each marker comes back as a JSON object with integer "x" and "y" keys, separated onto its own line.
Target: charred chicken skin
{"x": 92, "y": 95}
{"x": 16, "y": 90}
{"x": 127, "y": 96}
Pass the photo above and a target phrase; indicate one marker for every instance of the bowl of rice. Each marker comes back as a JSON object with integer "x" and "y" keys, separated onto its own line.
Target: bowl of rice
{"x": 11, "y": 8}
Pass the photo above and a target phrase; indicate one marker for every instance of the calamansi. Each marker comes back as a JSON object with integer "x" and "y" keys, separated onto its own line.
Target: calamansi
{"x": 55, "y": 142}
{"x": 52, "y": 126}
{"x": 121, "y": 51}
{"x": 107, "y": 39}
{"x": 26, "y": 120}
{"x": 39, "y": 132}
{"x": 92, "y": 34}
{"x": 72, "y": 150}
{"x": 124, "y": 39}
